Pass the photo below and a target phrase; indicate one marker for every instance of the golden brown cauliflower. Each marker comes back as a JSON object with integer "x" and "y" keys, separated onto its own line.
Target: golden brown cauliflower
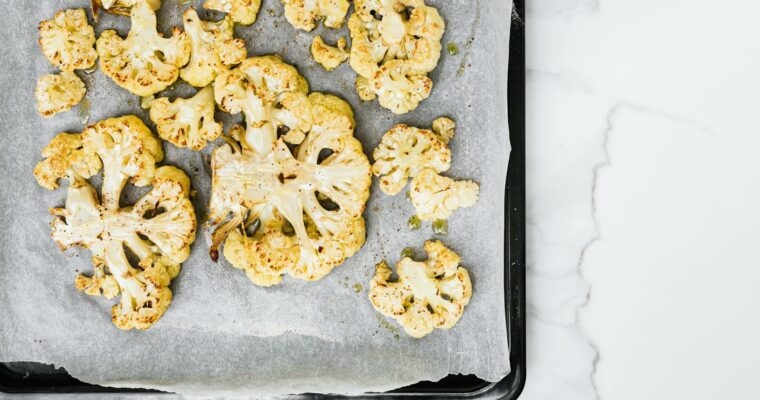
{"x": 65, "y": 157}
{"x": 243, "y": 12}
{"x": 214, "y": 49}
{"x": 58, "y": 92}
{"x": 329, "y": 57}
{"x": 280, "y": 209}
{"x": 427, "y": 295}
{"x": 436, "y": 197}
{"x": 406, "y": 33}
{"x": 158, "y": 229}
{"x": 67, "y": 40}
{"x": 187, "y": 122}
{"x": 145, "y": 62}
{"x": 404, "y": 152}
{"x": 304, "y": 14}
{"x": 120, "y": 7}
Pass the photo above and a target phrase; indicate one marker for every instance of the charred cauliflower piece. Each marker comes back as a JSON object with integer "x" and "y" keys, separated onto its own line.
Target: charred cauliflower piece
{"x": 214, "y": 49}
{"x": 67, "y": 40}
{"x": 394, "y": 44}
{"x": 187, "y": 122}
{"x": 404, "y": 152}
{"x": 58, "y": 92}
{"x": 437, "y": 197}
{"x": 120, "y": 7}
{"x": 427, "y": 295}
{"x": 157, "y": 230}
{"x": 327, "y": 56}
{"x": 243, "y": 12}
{"x": 145, "y": 62}
{"x": 279, "y": 210}
{"x": 304, "y": 14}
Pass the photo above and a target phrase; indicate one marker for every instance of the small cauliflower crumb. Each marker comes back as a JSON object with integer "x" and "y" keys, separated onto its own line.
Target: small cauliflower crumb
{"x": 58, "y": 92}
{"x": 67, "y": 40}
{"x": 427, "y": 295}
{"x": 327, "y": 56}
{"x": 243, "y": 12}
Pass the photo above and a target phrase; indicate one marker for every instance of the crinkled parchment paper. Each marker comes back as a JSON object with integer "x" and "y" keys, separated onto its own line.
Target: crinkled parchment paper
{"x": 222, "y": 334}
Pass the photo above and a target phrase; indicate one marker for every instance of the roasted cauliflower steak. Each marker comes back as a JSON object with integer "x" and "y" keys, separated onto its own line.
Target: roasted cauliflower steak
{"x": 394, "y": 44}
{"x": 243, "y": 12}
{"x": 427, "y": 295}
{"x": 67, "y": 40}
{"x": 214, "y": 49}
{"x": 187, "y": 122}
{"x": 404, "y": 151}
{"x": 58, "y": 92}
{"x": 284, "y": 202}
{"x": 145, "y": 62}
{"x": 138, "y": 249}
{"x": 304, "y": 14}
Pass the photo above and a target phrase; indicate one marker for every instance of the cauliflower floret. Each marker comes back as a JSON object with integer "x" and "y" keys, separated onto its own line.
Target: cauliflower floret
{"x": 398, "y": 88}
{"x": 437, "y": 197}
{"x": 120, "y": 7}
{"x": 303, "y": 14}
{"x": 67, "y": 40}
{"x": 444, "y": 127}
{"x": 145, "y": 62}
{"x": 329, "y": 57}
{"x": 427, "y": 295}
{"x": 65, "y": 157}
{"x": 404, "y": 152}
{"x": 242, "y": 11}
{"x": 157, "y": 230}
{"x": 404, "y": 33}
{"x": 187, "y": 122}
{"x": 280, "y": 210}
{"x": 384, "y": 30}
{"x": 272, "y": 97}
{"x": 58, "y": 92}
{"x": 214, "y": 49}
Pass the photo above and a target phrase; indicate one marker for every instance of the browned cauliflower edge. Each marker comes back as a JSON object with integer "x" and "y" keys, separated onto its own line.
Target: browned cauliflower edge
{"x": 329, "y": 57}
{"x": 136, "y": 250}
{"x": 427, "y": 294}
{"x": 58, "y": 92}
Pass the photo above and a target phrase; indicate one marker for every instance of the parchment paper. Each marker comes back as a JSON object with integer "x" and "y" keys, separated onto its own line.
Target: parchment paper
{"x": 223, "y": 335}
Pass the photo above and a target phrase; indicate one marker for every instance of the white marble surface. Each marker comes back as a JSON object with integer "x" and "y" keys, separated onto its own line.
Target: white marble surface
{"x": 643, "y": 199}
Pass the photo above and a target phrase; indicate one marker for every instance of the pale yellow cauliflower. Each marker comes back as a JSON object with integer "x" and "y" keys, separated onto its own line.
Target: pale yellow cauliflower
{"x": 145, "y": 62}
{"x": 394, "y": 44}
{"x": 427, "y": 295}
{"x": 404, "y": 152}
{"x": 437, "y": 197}
{"x": 243, "y": 12}
{"x": 279, "y": 210}
{"x": 58, "y": 92}
{"x": 67, "y": 40}
{"x": 158, "y": 229}
{"x": 214, "y": 49}
{"x": 304, "y": 14}
{"x": 187, "y": 122}
{"x": 329, "y": 57}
